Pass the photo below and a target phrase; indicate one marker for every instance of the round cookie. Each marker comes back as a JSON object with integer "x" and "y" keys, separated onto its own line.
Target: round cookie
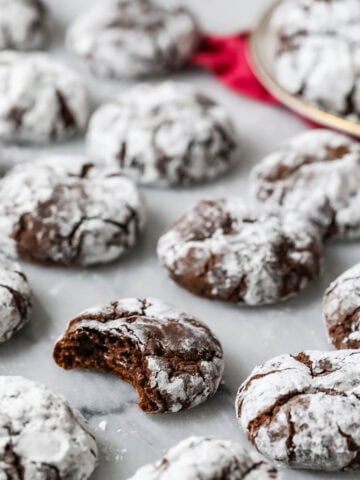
{"x": 201, "y": 458}
{"x": 317, "y": 47}
{"x": 15, "y": 294}
{"x": 70, "y": 216}
{"x": 341, "y": 308}
{"x": 223, "y": 249}
{"x": 41, "y": 100}
{"x": 128, "y": 38}
{"x": 23, "y": 24}
{"x": 42, "y": 437}
{"x": 173, "y": 360}
{"x": 316, "y": 173}
{"x": 164, "y": 135}
{"x": 303, "y": 411}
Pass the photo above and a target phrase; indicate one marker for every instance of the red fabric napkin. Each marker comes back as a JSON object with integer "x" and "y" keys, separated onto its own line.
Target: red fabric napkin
{"x": 228, "y": 58}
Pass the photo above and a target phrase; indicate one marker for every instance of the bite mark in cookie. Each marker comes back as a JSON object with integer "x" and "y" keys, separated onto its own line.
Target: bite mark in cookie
{"x": 172, "y": 359}
{"x": 303, "y": 410}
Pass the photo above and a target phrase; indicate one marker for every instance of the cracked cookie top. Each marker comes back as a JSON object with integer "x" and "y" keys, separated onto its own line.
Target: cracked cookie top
{"x": 202, "y": 458}
{"x": 317, "y": 46}
{"x": 166, "y": 134}
{"x": 65, "y": 211}
{"x": 172, "y": 359}
{"x": 23, "y": 24}
{"x": 316, "y": 173}
{"x": 304, "y": 410}
{"x": 41, "y": 100}
{"x": 341, "y": 307}
{"x": 42, "y": 437}
{"x": 128, "y": 38}
{"x": 15, "y": 294}
{"x": 226, "y": 250}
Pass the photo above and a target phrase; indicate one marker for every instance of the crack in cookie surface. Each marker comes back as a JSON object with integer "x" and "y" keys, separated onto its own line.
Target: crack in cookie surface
{"x": 305, "y": 414}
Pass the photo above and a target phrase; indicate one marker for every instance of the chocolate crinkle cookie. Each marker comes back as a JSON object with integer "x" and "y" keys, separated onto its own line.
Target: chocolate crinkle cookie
{"x": 317, "y": 51}
{"x": 163, "y": 135}
{"x": 225, "y": 250}
{"x": 23, "y": 24}
{"x": 341, "y": 307}
{"x": 172, "y": 359}
{"x": 64, "y": 211}
{"x": 15, "y": 294}
{"x": 304, "y": 411}
{"x": 41, "y": 100}
{"x": 202, "y": 458}
{"x": 132, "y": 38}
{"x": 42, "y": 437}
{"x": 317, "y": 173}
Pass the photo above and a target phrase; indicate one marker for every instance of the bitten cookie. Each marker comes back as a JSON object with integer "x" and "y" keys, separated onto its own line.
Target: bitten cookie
{"x": 317, "y": 173}
{"x": 317, "y": 47}
{"x": 132, "y": 38}
{"x": 172, "y": 359}
{"x": 42, "y": 437}
{"x": 70, "y": 216}
{"x": 41, "y": 100}
{"x": 15, "y": 295}
{"x": 23, "y": 24}
{"x": 201, "y": 458}
{"x": 304, "y": 411}
{"x": 341, "y": 307}
{"x": 167, "y": 134}
{"x": 222, "y": 249}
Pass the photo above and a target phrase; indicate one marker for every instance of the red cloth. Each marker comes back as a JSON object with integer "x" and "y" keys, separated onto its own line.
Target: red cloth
{"x": 228, "y": 58}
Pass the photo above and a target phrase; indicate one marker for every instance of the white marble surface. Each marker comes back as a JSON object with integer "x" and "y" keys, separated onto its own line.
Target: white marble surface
{"x": 128, "y": 437}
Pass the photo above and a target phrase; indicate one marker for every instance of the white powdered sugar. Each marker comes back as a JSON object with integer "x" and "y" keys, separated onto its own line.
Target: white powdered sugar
{"x": 341, "y": 307}
{"x": 127, "y": 38}
{"x": 23, "y": 24}
{"x": 202, "y": 458}
{"x": 316, "y": 173}
{"x": 318, "y": 46}
{"x": 227, "y": 250}
{"x": 165, "y": 134}
{"x": 41, "y": 100}
{"x": 182, "y": 360}
{"x": 304, "y": 410}
{"x": 41, "y": 435}
{"x": 15, "y": 294}
{"x": 62, "y": 210}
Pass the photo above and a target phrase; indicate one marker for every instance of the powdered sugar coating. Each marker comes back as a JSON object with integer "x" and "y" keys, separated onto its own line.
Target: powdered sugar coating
{"x": 42, "y": 437}
{"x": 227, "y": 250}
{"x": 41, "y": 100}
{"x": 318, "y": 46}
{"x": 182, "y": 361}
{"x": 127, "y": 38}
{"x": 65, "y": 211}
{"x": 165, "y": 134}
{"x": 23, "y": 24}
{"x": 202, "y": 458}
{"x": 316, "y": 173}
{"x": 341, "y": 307}
{"x": 304, "y": 410}
{"x": 15, "y": 295}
